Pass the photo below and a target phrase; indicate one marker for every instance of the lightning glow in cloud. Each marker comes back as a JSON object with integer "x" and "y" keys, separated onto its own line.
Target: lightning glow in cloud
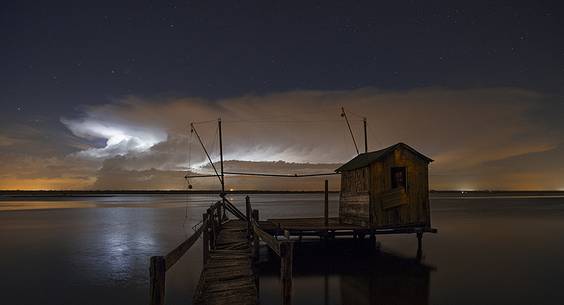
{"x": 120, "y": 139}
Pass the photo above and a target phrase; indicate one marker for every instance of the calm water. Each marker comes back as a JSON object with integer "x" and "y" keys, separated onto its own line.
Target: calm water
{"x": 95, "y": 250}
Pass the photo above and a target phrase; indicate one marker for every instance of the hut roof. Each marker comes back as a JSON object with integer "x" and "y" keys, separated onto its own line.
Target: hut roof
{"x": 365, "y": 159}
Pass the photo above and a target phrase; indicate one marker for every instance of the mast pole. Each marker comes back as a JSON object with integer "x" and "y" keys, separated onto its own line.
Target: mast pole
{"x": 221, "y": 164}
{"x": 365, "y": 136}
{"x": 344, "y": 114}
{"x": 206, "y": 152}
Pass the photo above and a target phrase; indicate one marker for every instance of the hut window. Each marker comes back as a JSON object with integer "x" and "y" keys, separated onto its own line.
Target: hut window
{"x": 399, "y": 177}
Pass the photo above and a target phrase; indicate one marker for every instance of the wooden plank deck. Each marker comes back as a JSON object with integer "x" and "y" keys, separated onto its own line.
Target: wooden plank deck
{"x": 305, "y": 224}
{"x": 316, "y": 226}
{"x": 228, "y": 276}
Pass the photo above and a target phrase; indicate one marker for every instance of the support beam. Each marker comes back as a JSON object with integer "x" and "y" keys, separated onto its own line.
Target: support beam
{"x": 286, "y": 257}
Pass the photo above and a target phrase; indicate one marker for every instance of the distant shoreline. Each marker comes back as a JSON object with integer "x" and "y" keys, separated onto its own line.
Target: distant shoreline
{"x": 107, "y": 193}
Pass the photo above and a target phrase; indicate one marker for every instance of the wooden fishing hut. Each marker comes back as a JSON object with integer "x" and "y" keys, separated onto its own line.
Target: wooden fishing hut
{"x": 386, "y": 188}
{"x": 382, "y": 192}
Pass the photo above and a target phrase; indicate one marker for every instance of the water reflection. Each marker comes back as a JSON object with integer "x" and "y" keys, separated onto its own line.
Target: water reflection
{"x": 489, "y": 251}
{"x": 347, "y": 272}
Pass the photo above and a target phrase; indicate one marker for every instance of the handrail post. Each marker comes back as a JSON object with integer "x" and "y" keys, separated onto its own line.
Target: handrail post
{"x": 218, "y": 211}
{"x": 256, "y": 242}
{"x": 222, "y": 212}
{"x": 206, "y": 238}
{"x": 212, "y": 227}
{"x": 286, "y": 257}
{"x": 326, "y": 203}
{"x": 248, "y": 214}
{"x": 157, "y": 276}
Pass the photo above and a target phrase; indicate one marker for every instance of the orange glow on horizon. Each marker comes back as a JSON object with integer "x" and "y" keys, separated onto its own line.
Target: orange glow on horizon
{"x": 40, "y": 184}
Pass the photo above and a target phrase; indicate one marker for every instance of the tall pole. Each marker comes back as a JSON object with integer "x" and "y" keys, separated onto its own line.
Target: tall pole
{"x": 365, "y": 136}
{"x": 207, "y": 154}
{"x": 344, "y": 114}
{"x": 326, "y": 207}
{"x": 221, "y": 163}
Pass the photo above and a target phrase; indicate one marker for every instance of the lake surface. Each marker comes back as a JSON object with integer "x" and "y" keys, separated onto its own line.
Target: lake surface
{"x": 95, "y": 250}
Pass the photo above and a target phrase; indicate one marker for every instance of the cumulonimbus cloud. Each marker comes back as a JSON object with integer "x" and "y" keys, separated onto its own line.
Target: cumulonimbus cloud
{"x": 466, "y": 131}
{"x": 119, "y": 139}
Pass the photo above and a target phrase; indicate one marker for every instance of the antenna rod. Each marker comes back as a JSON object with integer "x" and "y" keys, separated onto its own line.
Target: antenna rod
{"x": 206, "y": 151}
{"x": 365, "y": 136}
{"x": 344, "y": 114}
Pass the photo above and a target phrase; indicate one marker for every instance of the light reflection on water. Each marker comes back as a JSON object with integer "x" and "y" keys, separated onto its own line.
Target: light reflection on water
{"x": 95, "y": 250}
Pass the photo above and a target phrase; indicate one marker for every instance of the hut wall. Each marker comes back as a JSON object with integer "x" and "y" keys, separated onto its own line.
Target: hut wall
{"x": 415, "y": 210}
{"x": 354, "y": 200}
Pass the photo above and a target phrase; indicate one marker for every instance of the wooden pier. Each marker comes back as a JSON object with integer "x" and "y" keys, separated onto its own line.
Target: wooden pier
{"x": 231, "y": 249}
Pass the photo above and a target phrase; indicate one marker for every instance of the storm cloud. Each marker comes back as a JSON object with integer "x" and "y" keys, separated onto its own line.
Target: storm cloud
{"x": 145, "y": 143}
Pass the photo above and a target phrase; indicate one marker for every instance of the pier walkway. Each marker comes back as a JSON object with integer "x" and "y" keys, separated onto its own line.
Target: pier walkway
{"x": 228, "y": 276}
{"x": 230, "y": 249}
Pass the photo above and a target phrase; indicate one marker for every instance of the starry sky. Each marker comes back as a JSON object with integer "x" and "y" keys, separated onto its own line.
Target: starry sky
{"x": 91, "y": 91}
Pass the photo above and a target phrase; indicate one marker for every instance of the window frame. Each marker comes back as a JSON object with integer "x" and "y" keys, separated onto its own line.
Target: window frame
{"x": 393, "y": 170}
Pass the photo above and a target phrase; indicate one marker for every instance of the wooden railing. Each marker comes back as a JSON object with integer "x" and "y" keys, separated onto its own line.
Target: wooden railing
{"x": 159, "y": 265}
{"x": 283, "y": 248}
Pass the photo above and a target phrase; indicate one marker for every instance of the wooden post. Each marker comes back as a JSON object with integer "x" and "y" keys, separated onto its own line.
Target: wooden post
{"x": 218, "y": 212}
{"x": 257, "y": 284}
{"x": 206, "y": 238}
{"x": 157, "y": 277}
{"x": 419, "y": 245}
{"x": 372, "y": 239}
{"x": 223, "y": 215}
{"x": 365, "y": 136}
{"x": 286, "y": 257}
{"x": 212, "y": 228}
{"x": 256, "y": 241}
{"x": 326, "y": 203}
{"x": 249, "y": 217}
{"x": 326, "y": 290}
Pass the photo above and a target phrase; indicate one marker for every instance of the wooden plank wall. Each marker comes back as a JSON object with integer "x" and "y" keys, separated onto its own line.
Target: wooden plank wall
{"x": 354, "y": 200}
{"x": 394, "y": 198}
{"x": 416, "y": 211}
{"x": 354, "y": 208}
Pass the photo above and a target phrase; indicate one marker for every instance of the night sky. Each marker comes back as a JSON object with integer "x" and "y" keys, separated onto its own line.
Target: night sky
{"x": 104, "y": 89}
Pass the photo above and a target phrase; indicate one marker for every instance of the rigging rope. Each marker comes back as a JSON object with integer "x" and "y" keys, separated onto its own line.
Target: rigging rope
{"x": 281, "y": 175}
{"x": 267, "y": 175}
